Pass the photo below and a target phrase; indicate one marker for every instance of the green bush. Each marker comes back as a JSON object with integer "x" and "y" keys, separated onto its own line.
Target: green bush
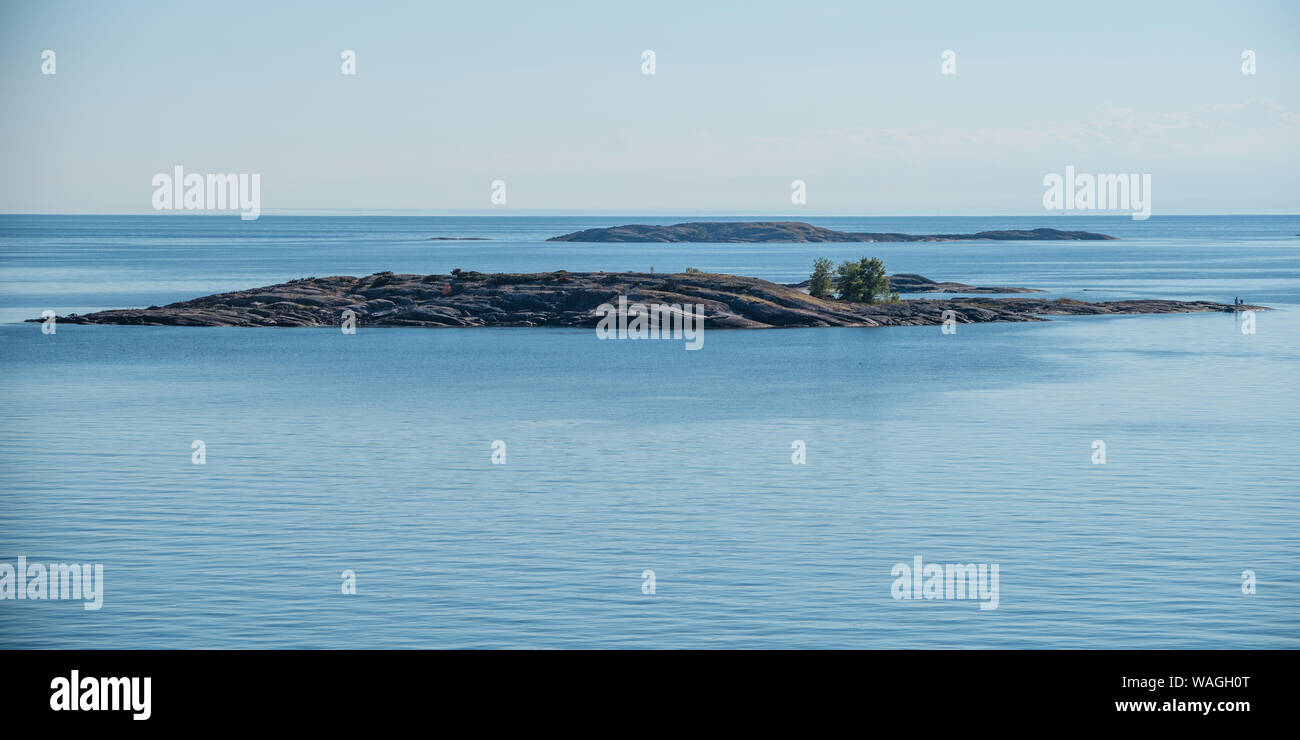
{"x": 820, "y": 285}
{"x": 863, "y": 281}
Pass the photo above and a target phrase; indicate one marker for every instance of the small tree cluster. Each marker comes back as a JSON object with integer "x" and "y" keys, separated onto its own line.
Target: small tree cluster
{"x": 863, "y": 281}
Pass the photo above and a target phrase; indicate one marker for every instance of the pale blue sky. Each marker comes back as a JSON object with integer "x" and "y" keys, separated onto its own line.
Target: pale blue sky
{"x": 549, "y": 97}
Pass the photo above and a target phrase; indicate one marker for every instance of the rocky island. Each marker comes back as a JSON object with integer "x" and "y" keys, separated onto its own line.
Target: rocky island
{"x": 564, "y": 299}
{"x": 797, "y": 231}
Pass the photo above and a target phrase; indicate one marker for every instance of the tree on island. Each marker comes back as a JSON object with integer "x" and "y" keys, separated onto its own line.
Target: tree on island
{"x": 863, "y": 281}
{"x": 821, "y": 285}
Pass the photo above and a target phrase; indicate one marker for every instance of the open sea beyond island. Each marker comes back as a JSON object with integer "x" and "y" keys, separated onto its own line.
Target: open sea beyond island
{"x": 372, "y": 452}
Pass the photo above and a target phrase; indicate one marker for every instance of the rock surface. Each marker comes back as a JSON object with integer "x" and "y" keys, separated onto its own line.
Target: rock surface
{"x": 908, "y": 282}
{"x": 796, "y": 231}
{"x": 571, "y": 299}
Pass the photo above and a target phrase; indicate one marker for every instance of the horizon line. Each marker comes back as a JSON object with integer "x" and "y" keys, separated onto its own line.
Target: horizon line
{"x": 527, "y": 212}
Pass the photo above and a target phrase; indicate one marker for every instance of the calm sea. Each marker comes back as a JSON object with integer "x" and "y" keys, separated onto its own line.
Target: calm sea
{"x": 373, "y": 452}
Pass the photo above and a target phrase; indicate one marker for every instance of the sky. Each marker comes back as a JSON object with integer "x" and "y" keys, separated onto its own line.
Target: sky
{"x": 551, "y": 98}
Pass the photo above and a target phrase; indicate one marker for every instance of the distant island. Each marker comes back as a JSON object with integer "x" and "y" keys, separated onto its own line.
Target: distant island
{"x": 797, "y": 231}
{"x": 565, "y": 299}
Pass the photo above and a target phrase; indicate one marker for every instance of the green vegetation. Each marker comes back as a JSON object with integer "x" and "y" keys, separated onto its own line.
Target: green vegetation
{"x": 821, "y": 284}
{"x": 863, "y": 281}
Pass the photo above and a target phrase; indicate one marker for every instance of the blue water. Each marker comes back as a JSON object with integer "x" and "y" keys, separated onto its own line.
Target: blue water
{"x": 372, "y": 452}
